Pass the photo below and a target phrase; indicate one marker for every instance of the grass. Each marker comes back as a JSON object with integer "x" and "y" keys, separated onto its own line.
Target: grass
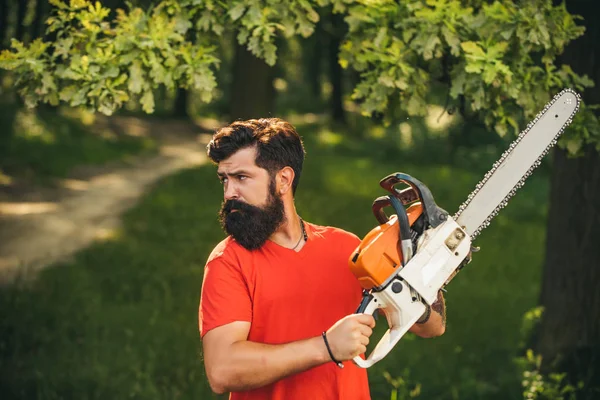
{"x": 120, "y": 320}
{"x": 45, "y": 144}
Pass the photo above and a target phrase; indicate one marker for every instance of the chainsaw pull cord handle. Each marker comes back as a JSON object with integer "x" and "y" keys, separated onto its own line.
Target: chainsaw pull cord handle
{"x": 403, "y": 223}
{"x": 434, "y": 214}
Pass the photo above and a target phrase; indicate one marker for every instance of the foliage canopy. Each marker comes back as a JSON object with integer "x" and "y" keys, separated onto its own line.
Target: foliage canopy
{"x": 498, "y": 59}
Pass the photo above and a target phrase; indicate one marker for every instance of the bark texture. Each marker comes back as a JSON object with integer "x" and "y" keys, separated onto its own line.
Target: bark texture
{"x": 252, "y": 93}
{"x": 570, "y": 330}
{"x": 569, "y": 334}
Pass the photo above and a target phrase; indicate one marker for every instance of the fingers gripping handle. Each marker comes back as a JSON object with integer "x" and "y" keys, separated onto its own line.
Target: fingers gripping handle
{"x": 401, "y": 313}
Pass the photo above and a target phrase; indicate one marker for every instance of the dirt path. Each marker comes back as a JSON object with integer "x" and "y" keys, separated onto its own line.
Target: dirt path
{"x": 40, "y": 226}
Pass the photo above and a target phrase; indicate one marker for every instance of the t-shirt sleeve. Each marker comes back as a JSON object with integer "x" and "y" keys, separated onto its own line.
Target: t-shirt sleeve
{"x": 225, "y": 297}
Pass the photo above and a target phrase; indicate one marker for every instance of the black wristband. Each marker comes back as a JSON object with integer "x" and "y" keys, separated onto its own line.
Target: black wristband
{"x": 425, "y": 317}
{"x": 339, "y": 364}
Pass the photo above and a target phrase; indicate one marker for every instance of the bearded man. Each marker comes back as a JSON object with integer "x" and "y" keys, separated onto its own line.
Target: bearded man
{"x": 277, "y": 304}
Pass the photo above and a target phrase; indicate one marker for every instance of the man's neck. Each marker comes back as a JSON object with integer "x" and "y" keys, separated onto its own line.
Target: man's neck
{"x": 290, "y": 234}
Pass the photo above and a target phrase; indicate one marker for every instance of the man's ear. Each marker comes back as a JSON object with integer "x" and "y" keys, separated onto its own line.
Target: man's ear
{"x": 285, "y": 178}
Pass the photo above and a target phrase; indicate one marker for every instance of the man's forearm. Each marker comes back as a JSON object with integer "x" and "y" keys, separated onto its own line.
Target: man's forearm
{"x": 435, "y": 324}
{"x": 249, "y": 365}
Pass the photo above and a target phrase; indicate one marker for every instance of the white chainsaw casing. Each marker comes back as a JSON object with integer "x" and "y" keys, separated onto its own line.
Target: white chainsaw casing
{"x": 440, "y": 253}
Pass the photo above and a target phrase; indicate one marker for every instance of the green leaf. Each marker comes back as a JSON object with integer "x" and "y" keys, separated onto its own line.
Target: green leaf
{"x": 67, "y": 93}
{"x": 136, "y": 77}
{"x": 474, "y": 68}
{"x": 574, "y": 145}
{"x": 237, "y": 11}
{"x": 472, "y": 48}
{"x": 147, "y": 102}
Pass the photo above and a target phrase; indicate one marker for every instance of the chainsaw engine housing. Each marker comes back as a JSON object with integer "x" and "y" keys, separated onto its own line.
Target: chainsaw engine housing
{"x": 378, "y": 257}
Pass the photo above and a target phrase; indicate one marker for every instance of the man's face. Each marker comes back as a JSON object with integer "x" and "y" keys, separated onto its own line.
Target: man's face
{"x": 252, "y": 209}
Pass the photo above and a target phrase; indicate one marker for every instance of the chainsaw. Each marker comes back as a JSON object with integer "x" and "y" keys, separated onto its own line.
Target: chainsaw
{"x": 403, "y": 262}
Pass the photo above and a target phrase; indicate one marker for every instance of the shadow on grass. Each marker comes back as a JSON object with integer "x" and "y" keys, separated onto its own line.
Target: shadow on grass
{"x": 120, "y": 320}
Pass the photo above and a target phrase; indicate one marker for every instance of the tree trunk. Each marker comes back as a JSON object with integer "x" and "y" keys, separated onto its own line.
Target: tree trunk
{"x": 180, "y": 108}
{"x": 37, "y": 26}
{"x": 569, "y": 334}
{"x": 252, "y": 90}
{"x": 3, "y": 23}
{"x": 570, "y": 327}
{"x": 21, "y": 11}
{"x": 311, "y": 61}
{"x": 336, "y": 101}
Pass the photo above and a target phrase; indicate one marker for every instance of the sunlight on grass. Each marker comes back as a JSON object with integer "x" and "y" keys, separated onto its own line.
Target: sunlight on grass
{"x": 26, "y": 208}
{"x": 7, "y": 81}
{"x": 27, "y": 126}
{"x": 329, "y": 138}
{"x": 86, "y": 117}
{"x": 5, "y": 179}
{"x": 104, "y": 235}
{"x": 43, "y": 144}
{"x": 280, "y": 84}
{"x": 305, "y": 118}
{"x": 438, "y": 119}
{"x": 406, "y": 138}
{"x": 377, "y": 132}
{"x": 74, "y": 184}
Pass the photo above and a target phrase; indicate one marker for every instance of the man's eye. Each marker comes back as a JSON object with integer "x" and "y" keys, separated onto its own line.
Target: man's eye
{"x": 242, "y": 177}
{"x": 223, "y": 180}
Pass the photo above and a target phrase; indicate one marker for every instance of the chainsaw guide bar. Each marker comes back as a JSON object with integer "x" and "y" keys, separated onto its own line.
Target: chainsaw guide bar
{"x": 517, "y": 163}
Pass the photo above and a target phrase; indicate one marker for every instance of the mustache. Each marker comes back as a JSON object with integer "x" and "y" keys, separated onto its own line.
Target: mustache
{"x": 230, "y": 205}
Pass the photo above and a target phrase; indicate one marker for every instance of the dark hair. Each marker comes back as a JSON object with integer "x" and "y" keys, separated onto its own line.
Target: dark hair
{"x": 278, "y": 145}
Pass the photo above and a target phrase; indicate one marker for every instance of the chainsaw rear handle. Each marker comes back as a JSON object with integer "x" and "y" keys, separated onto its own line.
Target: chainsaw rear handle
{"x": 401, "y": 312}
{"x": 434, "y": 214}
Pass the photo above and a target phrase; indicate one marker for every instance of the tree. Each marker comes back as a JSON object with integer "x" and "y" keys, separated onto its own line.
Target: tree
{"x": 569, "y": 334}
{"x": 335, "y": 33}
{"x": 252, "y": 92}
{"x": 3, "y": 21}
{"x": 499, "y": 59}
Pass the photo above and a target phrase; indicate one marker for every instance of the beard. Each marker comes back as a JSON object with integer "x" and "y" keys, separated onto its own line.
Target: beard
{"x": 249, "y": 225}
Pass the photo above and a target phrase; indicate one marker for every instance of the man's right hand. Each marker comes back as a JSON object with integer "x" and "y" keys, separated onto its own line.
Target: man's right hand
{"x": 349, "y": 336}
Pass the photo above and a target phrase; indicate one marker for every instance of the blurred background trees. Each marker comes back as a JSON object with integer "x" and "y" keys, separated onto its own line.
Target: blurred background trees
{"x": 373, "y": 64}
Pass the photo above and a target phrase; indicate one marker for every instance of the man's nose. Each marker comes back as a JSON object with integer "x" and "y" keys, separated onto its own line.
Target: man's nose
{"x": 230, "y": 192}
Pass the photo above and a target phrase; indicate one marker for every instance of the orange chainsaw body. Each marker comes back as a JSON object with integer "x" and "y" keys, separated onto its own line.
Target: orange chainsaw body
{"x": 378, "y": 255}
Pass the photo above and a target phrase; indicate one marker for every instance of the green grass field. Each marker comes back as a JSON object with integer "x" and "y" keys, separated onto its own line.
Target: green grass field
{"x": 120, "y": 320}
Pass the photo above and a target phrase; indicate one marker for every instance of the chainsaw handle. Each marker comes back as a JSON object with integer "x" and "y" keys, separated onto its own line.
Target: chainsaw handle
{"x": 401, "y": 312}
{"x": 382, "y": 218}
{"x": 364, "y": 303}
{"x": 378, "y": 206}
{"x": 369, "y": 306}
{"x": 433, "y": 213}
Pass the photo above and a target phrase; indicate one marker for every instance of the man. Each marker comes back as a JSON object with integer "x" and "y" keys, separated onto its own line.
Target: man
{"x": 277, "y": 303}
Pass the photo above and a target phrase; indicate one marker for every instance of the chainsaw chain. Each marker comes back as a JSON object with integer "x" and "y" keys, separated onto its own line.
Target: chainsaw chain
{"x": 521, "y": 182}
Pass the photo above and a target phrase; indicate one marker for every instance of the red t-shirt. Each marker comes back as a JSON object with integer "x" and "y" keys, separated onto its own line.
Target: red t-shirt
{"x": 288, "y": 296}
